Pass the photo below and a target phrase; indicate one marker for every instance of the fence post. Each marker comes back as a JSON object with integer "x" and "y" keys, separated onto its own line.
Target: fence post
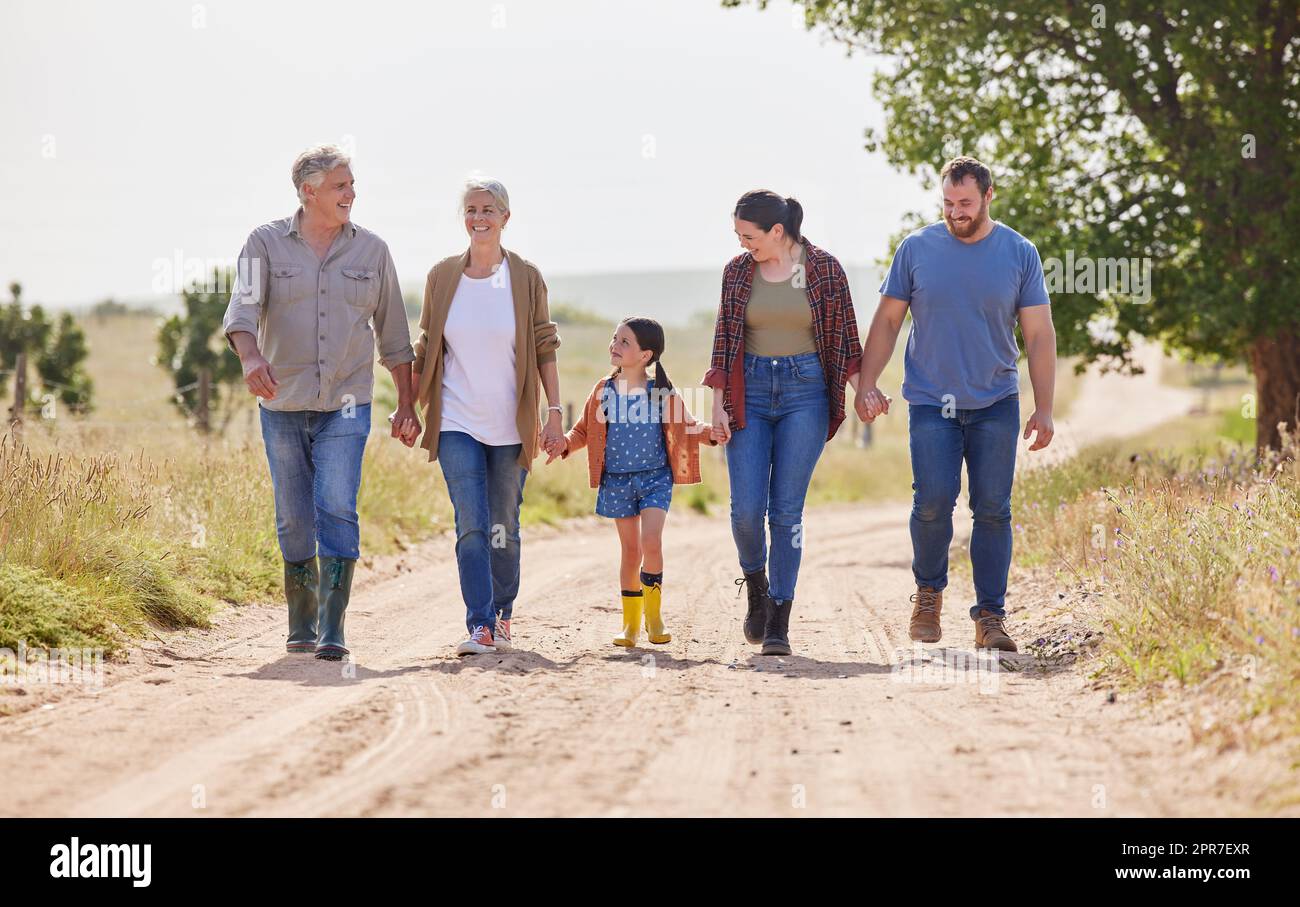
{"x": 201, "y": 412}
{"x": 20, "y": 395}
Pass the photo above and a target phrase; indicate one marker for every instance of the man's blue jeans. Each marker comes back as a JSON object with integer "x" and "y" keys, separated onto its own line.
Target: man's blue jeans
{"x": 315, "y": 461}
{"x": 486, "y": 485}
{"x": 770, "y": 462}
{"x": 986, "y": 439}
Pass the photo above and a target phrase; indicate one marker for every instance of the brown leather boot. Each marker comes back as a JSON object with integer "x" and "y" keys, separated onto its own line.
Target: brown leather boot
{"x": 990, "y": 634}
{"x": 925, "y": 616}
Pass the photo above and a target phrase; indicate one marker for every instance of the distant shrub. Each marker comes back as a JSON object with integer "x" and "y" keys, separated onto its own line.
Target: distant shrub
{"x": 109, "y": 308}
{"x": 568, "y": 313}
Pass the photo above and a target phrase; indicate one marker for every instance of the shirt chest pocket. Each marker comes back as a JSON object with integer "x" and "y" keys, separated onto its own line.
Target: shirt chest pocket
{"x": 360, "y": 287}
{"x": 286, "y": 283}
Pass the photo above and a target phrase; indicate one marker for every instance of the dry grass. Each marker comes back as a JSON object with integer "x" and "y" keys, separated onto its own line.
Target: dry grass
{"x": 128, "y": 517}
{"x": 1193, "y": 554}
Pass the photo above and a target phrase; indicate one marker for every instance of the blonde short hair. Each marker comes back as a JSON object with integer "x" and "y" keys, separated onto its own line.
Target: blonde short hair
{"x": 486, "y": 184}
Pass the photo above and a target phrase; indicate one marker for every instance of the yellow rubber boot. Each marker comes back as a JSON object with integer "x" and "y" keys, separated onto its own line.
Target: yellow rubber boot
{"x": 632, "y": 605}
{"x": 654, "y": 624}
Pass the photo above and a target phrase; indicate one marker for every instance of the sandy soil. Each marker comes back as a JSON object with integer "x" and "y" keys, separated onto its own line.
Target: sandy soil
{"x": 857, "y": 722}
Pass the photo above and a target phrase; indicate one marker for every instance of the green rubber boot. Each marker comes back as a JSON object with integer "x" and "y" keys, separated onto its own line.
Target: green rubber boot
{"x": 335, "y": 588}
{"x": 300, "y": 579}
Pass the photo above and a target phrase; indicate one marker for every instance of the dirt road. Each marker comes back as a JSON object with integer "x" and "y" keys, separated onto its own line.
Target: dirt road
{"x": 857, "y": 722}
{"x": 1116, "y": 406}
{"x": 225, "y": 723}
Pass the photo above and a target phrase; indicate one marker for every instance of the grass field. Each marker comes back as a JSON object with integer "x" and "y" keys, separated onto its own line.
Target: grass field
{"x": 129, "y": 516}
{"x": 1191, "y": 549}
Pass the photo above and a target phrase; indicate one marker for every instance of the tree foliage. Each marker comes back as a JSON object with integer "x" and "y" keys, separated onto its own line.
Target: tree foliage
{"x": 193, "y": 341}
{"x": 1117, "y": 130}
{"x": 60, "y": 366}
{"x": 58, "y": 350}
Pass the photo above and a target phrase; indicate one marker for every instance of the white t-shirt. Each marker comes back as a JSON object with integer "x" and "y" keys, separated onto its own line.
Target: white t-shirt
{"x": 478, "y": 378}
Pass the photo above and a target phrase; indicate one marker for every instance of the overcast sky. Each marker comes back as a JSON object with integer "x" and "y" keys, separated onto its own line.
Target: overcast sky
{"x": 141, "y": 132}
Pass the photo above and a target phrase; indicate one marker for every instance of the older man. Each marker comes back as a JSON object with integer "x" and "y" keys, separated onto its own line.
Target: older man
{"x": 309, "y": 287}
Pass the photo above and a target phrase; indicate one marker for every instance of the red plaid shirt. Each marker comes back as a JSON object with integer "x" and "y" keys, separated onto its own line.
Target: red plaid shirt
{"x": 834, "y": 326}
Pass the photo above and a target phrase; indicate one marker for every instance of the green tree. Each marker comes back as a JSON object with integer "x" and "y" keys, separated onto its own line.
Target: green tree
{"x": 21, "y": 331}
{"x": 1132, "y": 129}
{"x": 194, "y": 341}
{"x": 61, "y": 365}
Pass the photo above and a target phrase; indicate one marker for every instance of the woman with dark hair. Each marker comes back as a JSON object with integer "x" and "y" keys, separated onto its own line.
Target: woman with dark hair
{"x": 785, "y": 344}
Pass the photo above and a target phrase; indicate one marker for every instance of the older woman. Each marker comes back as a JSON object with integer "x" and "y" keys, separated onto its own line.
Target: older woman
{"x": 785, "y": 344}
{"x": 486, "y": 342}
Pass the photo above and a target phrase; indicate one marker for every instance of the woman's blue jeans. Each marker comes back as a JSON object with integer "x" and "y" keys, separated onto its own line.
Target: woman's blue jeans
{"x": 315, "y": 461}
{"x": 986, "y": 440}
{"x": 486, "y": 485}
{"x": 770, "y": 462}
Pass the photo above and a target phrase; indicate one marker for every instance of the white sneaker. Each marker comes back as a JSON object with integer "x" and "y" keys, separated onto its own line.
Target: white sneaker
{"x": 501, "y": 638}
{"x": 479, "y": 643}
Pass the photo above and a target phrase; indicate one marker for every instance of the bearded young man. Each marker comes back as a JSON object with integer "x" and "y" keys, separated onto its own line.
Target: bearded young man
{"x": 968, "y": 280}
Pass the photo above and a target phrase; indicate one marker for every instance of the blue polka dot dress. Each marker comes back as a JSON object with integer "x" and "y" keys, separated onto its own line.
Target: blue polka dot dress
{"x": 636, "y": 474}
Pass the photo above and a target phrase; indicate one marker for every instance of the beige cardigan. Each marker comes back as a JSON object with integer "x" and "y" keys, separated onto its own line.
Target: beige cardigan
{"x": 536, "y": 340}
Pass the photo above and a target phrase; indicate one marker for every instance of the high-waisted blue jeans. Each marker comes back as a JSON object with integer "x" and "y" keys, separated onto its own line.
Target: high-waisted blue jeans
{"x": 986, "y": 440}
{"x": 486, "y": 485}
{"x": 770, "y": 462}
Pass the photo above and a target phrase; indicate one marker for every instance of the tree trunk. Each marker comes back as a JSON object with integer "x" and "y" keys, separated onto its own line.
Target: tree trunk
{"x": 1275, "y": 360}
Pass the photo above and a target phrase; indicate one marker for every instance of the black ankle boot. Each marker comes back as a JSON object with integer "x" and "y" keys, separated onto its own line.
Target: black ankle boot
{"x": 759, "y": 602}
{"x": 776, "y": 636}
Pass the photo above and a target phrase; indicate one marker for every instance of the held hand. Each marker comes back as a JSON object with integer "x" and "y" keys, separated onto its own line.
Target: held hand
{"x": 720, "y": 431}
{"x": 556, "y": 450}
{"x": 552, "y": 431}
{"x": 405, "y": 425}
{"x": 860, "y": 407}
{"x": 872, "y": 402}
{"x": 258, "y": 377}
{"x": 414, "y": 435}
{"x": 1041, "y": 423}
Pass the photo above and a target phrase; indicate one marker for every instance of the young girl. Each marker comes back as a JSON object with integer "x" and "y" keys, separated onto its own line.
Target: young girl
{"x": 640, "y": 441}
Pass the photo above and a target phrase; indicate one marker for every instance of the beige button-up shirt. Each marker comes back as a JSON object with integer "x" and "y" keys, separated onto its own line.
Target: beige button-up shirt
{"x": 312, "y": 318}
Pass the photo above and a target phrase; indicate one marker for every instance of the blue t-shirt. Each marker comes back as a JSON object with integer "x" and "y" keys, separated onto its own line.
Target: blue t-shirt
{"x": 964, "y": 298}
{"x": 634, "y": 435}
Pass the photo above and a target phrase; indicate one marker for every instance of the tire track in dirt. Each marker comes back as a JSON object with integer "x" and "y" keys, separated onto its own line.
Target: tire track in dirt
{"x": 851, "y": 724}
{"x": 570, "y": 725}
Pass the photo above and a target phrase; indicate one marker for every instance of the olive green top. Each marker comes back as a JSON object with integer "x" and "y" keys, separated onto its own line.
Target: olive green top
{"x": 778, "y": 319}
